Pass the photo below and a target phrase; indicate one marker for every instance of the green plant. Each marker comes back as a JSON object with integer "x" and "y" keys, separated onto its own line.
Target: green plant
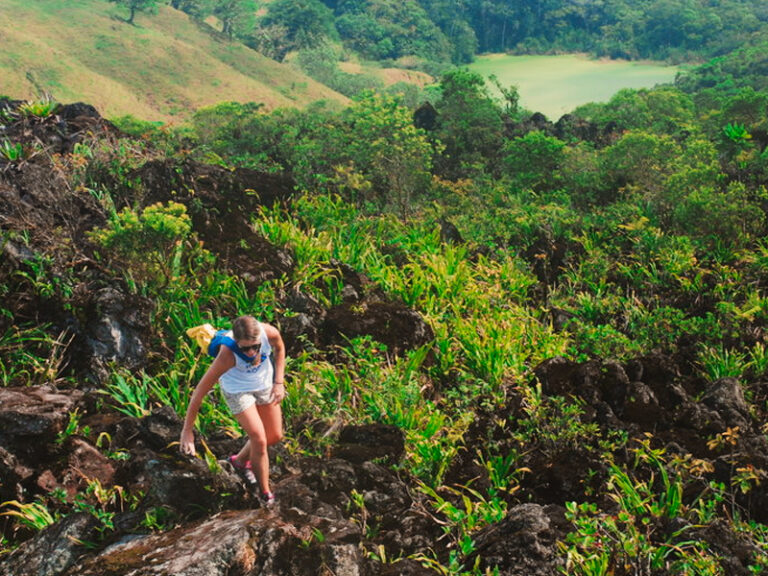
{"x": 7, "y": 115}
{"x": 119, "y": 454}
{"x": 41, "y": 108}
{"x": 130, "y": 393}
{"x": 34, "y": 515}
{"x": 736, "y": 133}
{"x": 159, "y": 518}
{"x": 72, "y": 427}
{"x": 357, "y": 500}
{"x": 758, "y": 360}
{"x": 552, "y": 422}
{"x": 102, "y": 502}
{"x": 210, "y": 459}
{"x": 150, "y": 243}
{"x": 473, "y": 512}
{"x": 720, "y": 362}
{"x": 13, "y": 152}
{"x": 316, "y": 536}
{"x": 29, "y": 355}
{"x": 636, "y": 534}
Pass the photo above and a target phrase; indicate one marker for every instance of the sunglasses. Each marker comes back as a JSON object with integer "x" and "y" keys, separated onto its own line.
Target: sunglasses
{"x": 250, "y": 348}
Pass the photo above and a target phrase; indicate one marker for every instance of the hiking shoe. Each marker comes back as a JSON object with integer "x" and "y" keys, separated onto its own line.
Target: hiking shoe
{"x": 244, "y": 470}
{"x": 267, "y": 499}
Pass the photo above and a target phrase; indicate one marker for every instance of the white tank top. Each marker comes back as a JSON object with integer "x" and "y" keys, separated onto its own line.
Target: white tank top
{"x": 244, "y": 377}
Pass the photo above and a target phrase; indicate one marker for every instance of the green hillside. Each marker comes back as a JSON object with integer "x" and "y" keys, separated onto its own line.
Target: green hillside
{"x": 160, "y": 69}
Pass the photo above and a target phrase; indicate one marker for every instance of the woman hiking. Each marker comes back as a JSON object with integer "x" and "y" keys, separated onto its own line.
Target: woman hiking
{"x": 253, "y": 389}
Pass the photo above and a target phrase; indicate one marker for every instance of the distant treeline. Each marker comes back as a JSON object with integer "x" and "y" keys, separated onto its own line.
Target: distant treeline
{"x": 455, "y": 30}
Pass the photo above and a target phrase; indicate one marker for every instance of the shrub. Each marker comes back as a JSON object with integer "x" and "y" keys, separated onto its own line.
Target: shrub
{"x": 148, "y": 243}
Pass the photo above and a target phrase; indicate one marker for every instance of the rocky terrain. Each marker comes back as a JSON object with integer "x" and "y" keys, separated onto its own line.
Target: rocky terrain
{"x": 317, "y": 525}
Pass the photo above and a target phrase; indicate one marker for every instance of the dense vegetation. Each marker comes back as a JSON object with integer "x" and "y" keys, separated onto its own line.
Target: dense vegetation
{"x": 632, "y": 227}
{"x": 437, "y": 31}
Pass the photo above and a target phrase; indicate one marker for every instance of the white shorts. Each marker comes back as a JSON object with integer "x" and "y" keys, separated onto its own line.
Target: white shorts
{"x": 241, "y": 401}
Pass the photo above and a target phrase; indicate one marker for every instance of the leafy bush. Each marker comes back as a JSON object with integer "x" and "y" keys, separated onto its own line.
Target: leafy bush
{"x": 148, "y": 243}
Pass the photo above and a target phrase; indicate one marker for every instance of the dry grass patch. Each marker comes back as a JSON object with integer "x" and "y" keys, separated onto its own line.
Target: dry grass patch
{"x": 162, "y": 69}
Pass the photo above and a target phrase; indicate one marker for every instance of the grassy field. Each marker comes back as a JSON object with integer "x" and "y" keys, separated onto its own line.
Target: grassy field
{"x": 555, "y": 85}
{"x": 161, "y": 69}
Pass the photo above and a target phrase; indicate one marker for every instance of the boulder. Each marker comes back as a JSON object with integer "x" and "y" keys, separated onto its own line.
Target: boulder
{"x": 53, "y": 550}
{"x": 726, "y": 397}
{"x": 398, "y": 327}
{"x": 524, "y": 543}
{"x": 233, "y": 542}
{"x": 32, "y": 417}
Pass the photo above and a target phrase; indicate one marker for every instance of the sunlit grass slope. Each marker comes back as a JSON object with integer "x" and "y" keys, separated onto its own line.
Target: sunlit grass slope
{"x": 161, "y": 69}
{"x": 556, "y": 85}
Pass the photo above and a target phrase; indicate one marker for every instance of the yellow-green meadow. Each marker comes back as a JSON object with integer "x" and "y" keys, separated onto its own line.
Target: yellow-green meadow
{"x": 555, "y": 85}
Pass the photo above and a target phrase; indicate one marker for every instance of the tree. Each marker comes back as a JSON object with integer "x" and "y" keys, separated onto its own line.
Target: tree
{"x": 469, "y": 124}
{"x": 389, "y": 150}
{"x": 664, "y": 110}
{"x": 237, "y": 17}
{"x": 306, "y": 22}
{"x": 134, "y": 6}
{"x": 642, "y": 161}
{"x": 196, "y": 8}
{"x": 534, "y": 160}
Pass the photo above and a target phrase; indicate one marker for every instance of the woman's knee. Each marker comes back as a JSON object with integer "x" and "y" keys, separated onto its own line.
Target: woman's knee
{"x": 258, "y": 443}
{"x": 274, "y": 436}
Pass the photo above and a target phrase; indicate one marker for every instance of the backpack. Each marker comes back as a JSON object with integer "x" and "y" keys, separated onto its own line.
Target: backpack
{"x": 210, "y": 340}
{"x": 221, "y": 339}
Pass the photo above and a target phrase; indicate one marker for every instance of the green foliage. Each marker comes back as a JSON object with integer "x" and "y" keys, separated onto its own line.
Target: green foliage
{"x": 42, "y": 108}
{"x": 719, "y": 362}
{"x": 306, "y": 23}
{"x": 640, "y": 159}
{"x": 738, "y": 219}
{"x": 657, "y": 29}
{"x": 72, "y": 427}
{"x": 159, "y": 519}
{"x": 728, "y": 73}
{"x": 237, "y": 17}
{"x": 388, "y": 30}
{"x": 322, "y": 64}
{"x": 662, "y": 110}
{"x": 472, "y": 513}
{"x": 13, "y": 152}
{"x": 131, "y": 394}
{"x": 150, "y": 243}
{"x": 30, "y": 355}
{"x": 534, "y": 161}
{"x": 134, "y": 6}
{"x": 635, "y": 534}
{"x": 736, "y": 133}
{"x": 34, "y": 515}
{"x": 135, "y": 127}
{"x": 469, "y": 124}
{"x": 389, "y": 150}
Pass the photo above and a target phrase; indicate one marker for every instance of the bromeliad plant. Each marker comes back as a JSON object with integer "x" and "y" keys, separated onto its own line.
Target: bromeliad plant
{"x": 12, "y": 152}
{"x": 39, "y": 109}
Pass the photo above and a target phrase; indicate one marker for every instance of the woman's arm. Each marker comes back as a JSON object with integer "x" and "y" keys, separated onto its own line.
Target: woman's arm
{"x": 223, "y": 362}
{"x": 278, "y": 349}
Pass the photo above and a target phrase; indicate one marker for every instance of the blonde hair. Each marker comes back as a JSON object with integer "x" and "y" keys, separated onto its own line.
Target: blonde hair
{"x": 246, "y": 328}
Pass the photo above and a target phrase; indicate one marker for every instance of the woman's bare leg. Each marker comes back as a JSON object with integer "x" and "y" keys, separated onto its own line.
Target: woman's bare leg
{"x": 251, "y": 422}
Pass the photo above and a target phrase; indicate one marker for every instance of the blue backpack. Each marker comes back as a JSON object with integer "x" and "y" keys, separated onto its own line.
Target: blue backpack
{"x": 221, "y": 339}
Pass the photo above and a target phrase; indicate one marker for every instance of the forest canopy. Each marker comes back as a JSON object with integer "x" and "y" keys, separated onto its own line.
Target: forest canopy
{"x": 440, "y": 31}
